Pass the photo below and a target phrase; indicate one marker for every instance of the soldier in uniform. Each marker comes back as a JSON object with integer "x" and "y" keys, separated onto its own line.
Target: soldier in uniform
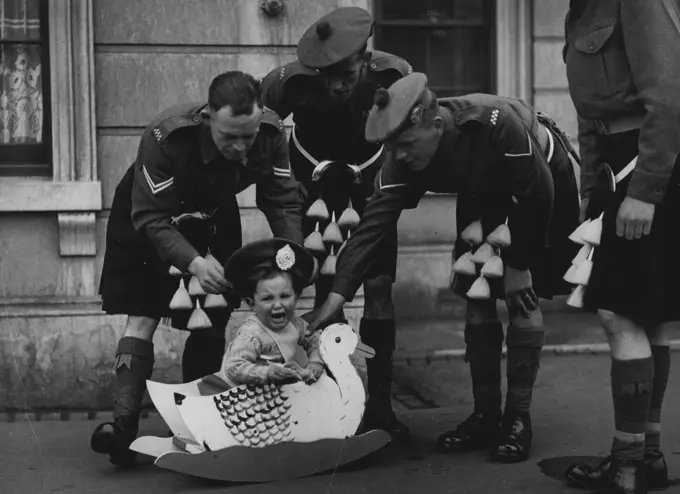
{"x": 192, "y": 159}
{"x": 329, "y": 91}
{"x": 622, "y": 59}
{"x": 510, "y": 167}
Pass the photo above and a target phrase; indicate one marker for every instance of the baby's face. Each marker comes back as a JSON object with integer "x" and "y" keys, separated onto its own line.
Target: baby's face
{"x": 274, "y": 301}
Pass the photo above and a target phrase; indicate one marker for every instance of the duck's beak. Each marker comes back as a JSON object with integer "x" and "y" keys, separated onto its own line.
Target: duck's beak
{"x": 364, "y": 351}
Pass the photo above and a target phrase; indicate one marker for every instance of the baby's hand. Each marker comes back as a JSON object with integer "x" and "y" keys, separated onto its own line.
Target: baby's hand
{"x": 313, "y": 372}
{"x": 279, "y": 374}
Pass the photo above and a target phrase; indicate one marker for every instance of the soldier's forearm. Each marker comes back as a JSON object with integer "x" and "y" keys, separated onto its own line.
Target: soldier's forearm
{"x": 171, "y": 245}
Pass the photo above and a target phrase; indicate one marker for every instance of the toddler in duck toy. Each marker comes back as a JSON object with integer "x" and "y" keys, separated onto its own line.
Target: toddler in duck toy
{"x": 272, "y": 345}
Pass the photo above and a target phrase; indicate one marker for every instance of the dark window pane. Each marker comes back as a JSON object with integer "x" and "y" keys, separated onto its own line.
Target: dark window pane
{"x": 449, "y": 40}
{"x": 407, "y": 42}
{"x": 459, "y": 9}
{"x": 433, "y": 10}
{"x": 20, "y": 20}
{"x": 455, "y": 56}
{"x": 403, "y": 9}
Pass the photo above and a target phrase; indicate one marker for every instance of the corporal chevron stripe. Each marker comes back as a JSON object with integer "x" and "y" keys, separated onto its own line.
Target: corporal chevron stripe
{"x": 159, "y": 187}
{"x": 281, "y": 172}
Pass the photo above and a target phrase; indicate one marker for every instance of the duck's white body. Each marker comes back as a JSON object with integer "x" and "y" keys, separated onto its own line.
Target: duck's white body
{"x": 267, "y": 417}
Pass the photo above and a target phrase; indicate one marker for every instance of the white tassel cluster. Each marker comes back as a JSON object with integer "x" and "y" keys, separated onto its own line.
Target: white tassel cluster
{"x": 332, "y": 236}
{"x": 182, "y": 300}
{"x": 588, "y": 234}
{"x": 486, "y": 257}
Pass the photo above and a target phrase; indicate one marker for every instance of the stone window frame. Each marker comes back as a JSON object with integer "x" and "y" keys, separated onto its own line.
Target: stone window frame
{"x": 73, "y": 191}
{"x": 514, "y": 49}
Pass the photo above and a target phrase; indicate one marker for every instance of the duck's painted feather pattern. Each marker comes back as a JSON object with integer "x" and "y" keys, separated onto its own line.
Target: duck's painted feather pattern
{"x": 256, "y": 416}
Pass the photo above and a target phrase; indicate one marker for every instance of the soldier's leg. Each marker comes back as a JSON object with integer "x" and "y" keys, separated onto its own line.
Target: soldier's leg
{"x": 378, "y": 330}
{"x": 203, "y": 354}
{"x": 133, "y": 366}
{"x": 484, "y": 346}
{"x": 632, "y": 375}
{"x": 655, "y": 464}
{"x": 524, "y": 340}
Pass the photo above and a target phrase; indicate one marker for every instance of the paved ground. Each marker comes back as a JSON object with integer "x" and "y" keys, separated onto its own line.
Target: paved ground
{"x": 563, "y": 324}
{"x": 572, "y": 416}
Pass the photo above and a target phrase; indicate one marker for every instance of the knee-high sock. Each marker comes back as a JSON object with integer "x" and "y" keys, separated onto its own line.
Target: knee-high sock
{"x": 484, "y": 346}
{"x": 662, "y": 368}
{"x": 134, "y": 365}
{"x": 631, "y": 390}
{"x": 380, "y": 335}
{"x": 523, "y": 361}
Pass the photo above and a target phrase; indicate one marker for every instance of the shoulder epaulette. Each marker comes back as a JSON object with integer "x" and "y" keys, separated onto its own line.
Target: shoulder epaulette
{"x": 385, "y": 61}
{"x": 168, "y": 125}
{"x": 477, "y": 114}
{"x": 272, "y": 118}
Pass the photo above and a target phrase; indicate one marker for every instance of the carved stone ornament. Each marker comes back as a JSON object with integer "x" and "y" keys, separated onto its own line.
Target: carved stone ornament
{"x": 272, "y": 8}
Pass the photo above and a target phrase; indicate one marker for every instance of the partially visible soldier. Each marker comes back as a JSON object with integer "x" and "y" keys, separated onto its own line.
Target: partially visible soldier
{"x": 506, "y": 164}
{"x": 623, "y": 68}
{"x": 329, "y": 92}
{"x": 192, "y": 159}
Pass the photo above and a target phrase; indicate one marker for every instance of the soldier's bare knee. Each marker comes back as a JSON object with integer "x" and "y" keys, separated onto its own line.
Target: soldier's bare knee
{"x": 141, "y": 327}
{"x": 620, "y": 327}
{"x": 481, "y": 311}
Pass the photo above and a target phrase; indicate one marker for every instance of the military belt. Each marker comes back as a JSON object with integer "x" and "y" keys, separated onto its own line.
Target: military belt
{"x": 619, "y": 124}
{"x": 315, "y": 162}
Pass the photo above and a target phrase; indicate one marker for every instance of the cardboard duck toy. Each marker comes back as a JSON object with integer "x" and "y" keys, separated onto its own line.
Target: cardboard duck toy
{"x": 262, "y": 433}
{"x": 336, "y": 180}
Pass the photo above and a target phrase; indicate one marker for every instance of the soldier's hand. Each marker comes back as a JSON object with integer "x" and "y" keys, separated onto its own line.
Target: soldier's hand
{"x": 327, "y": 311}
{"x": 584, "y": 207}
{"x": 634, "y": 218}
{"x": 278, "y": 374}
{"x": 519, "y": 292}
{"x": 210, "y": 274}
{"x": 315, "y": 272}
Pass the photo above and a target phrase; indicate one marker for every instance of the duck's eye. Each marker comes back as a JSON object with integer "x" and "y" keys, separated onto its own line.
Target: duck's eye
{"x": 337, "y": 339}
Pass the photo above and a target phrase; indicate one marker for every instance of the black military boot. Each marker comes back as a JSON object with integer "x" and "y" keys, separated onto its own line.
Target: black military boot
{"x": 484, "y": 346}
{"x": 134, "y": 365}
{"x": 114, "y": 439}
{"x": 656, "y": 470}
{"x": 380, "y": 335}
{"x": 514, "y": 439}
{"x": 612, "y": 476}
{"x": 478, "y": 431}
